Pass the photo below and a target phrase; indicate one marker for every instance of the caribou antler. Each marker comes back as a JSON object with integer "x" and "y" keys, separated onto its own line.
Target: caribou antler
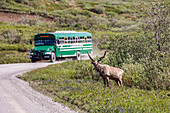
{"x": 102, "y": 57}
{"x": 90, "y": 56}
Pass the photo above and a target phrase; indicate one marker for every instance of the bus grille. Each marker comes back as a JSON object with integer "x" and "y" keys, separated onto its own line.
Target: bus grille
{"x": 39, "y": 53}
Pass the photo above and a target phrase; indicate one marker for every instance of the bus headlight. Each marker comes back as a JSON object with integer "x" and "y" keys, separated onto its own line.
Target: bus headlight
{"x": 49, "y": 53}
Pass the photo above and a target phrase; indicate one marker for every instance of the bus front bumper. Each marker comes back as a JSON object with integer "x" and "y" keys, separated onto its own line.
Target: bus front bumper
{"x": 45, "y": 57}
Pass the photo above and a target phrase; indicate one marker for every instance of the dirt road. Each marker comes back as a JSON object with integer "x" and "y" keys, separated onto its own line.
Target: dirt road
{"x": 16, "y": 96}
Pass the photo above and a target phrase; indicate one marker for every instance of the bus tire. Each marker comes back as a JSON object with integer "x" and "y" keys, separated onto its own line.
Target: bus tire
{"x": 78, "y": 55}
{"x": 33, "y": 60}
{"x": 53, "y": 57}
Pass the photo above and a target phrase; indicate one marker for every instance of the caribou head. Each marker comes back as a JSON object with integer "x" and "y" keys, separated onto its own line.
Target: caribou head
{"x": 96, "y": 62}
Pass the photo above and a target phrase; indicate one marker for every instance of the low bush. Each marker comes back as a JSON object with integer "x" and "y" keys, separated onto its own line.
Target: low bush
{"x": 27, "y": 21}
{"x": 8, "y": 57}
{"x": 16, "y": 47}
{"x": 22, "y": 1}
{"x": 112, "y": 14}
{"x": 98, "y": 9}
{"x": 12, "y": 36}
{"x": 146, "y": 67}
{"x": 124, "y": 23}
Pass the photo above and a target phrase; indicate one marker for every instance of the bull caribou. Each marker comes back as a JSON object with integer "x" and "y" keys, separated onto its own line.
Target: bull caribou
{"x": 107, "y": 72}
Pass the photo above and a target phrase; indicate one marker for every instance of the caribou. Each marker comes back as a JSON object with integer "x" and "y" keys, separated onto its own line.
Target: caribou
{"x": 107, "y": 72}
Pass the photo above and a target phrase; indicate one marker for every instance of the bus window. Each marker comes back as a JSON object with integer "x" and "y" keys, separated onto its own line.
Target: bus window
{"x": 76, "y": 39}
{"x": 65, "y": 40}
{"x": 89, "y": 39}
{"x": 71, "y": 40}
{"x": 85, "y": 39}
{"x": 61, "y": 40}
{"x": 81, "y": 40}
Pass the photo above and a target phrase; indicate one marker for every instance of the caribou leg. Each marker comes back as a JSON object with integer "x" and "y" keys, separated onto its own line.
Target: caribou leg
{"x": 104, "y": 80}
{"x": 121, "y": 82}
{"x": 117, "y": 82}
{"x": 107, "y": 81}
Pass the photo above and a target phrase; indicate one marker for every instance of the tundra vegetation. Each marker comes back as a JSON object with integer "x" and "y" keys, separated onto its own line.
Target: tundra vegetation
{"x": 77, "y": 85}
{"x": 134, "y": 32}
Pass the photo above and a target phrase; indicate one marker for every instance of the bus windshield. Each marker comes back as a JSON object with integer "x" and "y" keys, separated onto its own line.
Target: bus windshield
{"x": 44, "y": 42}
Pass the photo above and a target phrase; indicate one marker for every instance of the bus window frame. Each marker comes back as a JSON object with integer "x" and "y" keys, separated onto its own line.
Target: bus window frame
{"x": 71, "y": 40}
{"x": 65, "y": 40}
{"x": 76, "y": 37}
{"x": 85, "y": 39}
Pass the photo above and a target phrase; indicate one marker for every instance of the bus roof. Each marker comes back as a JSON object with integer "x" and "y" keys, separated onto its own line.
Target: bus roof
{"x": 71, "y": 34}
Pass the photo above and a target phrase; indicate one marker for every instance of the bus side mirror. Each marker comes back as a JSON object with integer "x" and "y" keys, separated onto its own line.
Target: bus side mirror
{"x": 31, "y": 42}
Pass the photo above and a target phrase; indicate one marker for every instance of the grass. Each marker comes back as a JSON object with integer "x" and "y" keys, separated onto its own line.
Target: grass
{"x": 7, "y": 57}
{"x": 65, "y": 83}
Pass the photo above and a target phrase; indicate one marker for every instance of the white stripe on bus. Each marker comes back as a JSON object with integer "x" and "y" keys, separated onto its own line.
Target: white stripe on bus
{"x": 70, "y": 49}
{"x": 75, "y": 49}
{"x": 74, "y": 44}
{"x": 71, "y": 55}
{"x": 86, "y": 48}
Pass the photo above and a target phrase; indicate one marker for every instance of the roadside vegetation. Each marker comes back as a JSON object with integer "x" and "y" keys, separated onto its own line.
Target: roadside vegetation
{"x": 7, "y": 57}
{"x": 76, "y": 84}
{"x": 134, "y": 32}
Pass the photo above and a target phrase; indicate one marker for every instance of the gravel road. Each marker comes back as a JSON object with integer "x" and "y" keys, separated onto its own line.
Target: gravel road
{"x": 16, "y": 96}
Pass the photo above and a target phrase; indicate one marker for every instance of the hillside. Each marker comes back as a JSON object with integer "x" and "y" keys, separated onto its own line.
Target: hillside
{"x": 20, "y": 20}
{"x": 49, "y": 15}
{"x": 23, "y": 19}
{"x": 135, "y": 34}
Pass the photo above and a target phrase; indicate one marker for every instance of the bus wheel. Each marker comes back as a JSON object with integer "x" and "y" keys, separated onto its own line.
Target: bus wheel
{"x": 53, "y": 57}
{"x": 33, "y": 60}
{"x": 78, "y": 56}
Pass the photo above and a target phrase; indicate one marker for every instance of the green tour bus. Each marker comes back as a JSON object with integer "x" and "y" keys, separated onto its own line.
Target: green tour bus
{"x": 59, "y": 44}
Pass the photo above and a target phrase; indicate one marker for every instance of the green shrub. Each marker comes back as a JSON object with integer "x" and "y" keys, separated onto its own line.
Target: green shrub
{"x": 27, "y": 21}
{"x": 156, "y": 65}
{"x": 134, "y": 75}
{"x": 122, "y": 9}
{"x": 22, "y": 1}
{"x": 112, "y": 14}
{"x": 7, "y": 57}
{"x": 123, "y": 47}
{"x": 123, "y": 23}
{"x": 98, "y": 9}
{"x": 147, "y": 68}
{"x": 12, "y": 36}
{"x": 17, "y": 47}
